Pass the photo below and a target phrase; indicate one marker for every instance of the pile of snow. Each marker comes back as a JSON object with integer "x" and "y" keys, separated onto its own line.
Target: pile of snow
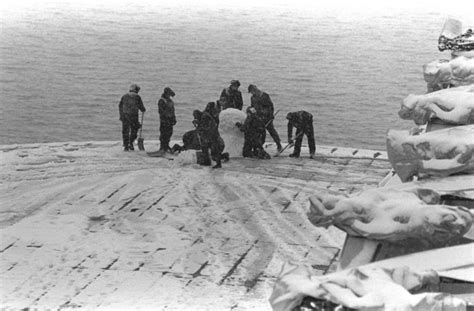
{"x": 392, "y": 214}
{"x": 439, "y": 153}
{"x": 452, "y": 106}
{"x": 442, "y": 73}
{"x": 186, "y": 157}
{"x": 230, "y": 133}
{"x": 365, "y": 287}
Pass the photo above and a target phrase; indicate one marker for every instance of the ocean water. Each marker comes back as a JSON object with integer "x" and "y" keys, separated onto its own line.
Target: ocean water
{"x": 64, "y": 67}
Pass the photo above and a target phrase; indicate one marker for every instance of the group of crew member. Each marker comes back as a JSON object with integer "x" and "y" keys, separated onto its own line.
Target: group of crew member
{"x": 205, "y": 136}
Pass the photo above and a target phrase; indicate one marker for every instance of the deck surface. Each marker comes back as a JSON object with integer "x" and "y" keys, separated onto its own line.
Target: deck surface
{"x": 86, "y": 225}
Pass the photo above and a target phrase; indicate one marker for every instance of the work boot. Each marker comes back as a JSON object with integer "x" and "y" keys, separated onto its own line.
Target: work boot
{"x": 279, "y": 147}
{"x": 165, "y": 149}
{"x": 177, "y": 148}
{"x": 294, "y": 155}
{"x": 225, "y": 157}
{"x": 311, "y": 155}
{"x": 218, "y": 165}
{"x": 130, "y": 147}
{"x": 126, "y": 148}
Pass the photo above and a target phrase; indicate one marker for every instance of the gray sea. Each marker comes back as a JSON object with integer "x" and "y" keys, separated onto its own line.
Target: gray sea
{"x": 64, "y": 67}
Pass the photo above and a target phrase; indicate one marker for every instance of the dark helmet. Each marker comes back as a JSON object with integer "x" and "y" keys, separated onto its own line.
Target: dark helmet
{"x": 134, "y": 88}
{"x": 168, "y": 91}
{"x": 252, "y": 87}
{"x": 235, "y": 83}
{"x": 210, "y": 106}
{"x": 197, "y": 114}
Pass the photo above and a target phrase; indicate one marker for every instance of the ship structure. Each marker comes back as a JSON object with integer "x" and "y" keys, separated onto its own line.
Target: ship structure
{"x": 410, "y": 241}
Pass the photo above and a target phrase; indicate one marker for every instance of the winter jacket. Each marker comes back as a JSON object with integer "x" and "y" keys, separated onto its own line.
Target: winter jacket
{"x": 254, "y": 130}
{"x": 208, "y": 127}
{"x": 129, "y": 105}
{"x": 264, "y": 106}
{"x": 300, "y": 120}
{"x": 231, "y": 99}
{"x": 166, "y": 111}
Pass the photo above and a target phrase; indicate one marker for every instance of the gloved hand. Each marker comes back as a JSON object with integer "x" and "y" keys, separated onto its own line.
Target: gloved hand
{"x": 291, "y": 141}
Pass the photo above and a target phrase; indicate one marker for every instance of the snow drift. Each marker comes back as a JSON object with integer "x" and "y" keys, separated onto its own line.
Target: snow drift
{"x": 452, "y": 106}
{"x": 392, "y": 214}
{"x": 439, "y": 153}
{"x": 443, "y": 73}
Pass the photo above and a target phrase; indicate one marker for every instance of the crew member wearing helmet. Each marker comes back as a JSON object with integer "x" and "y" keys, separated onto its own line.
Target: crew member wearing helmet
{"x": 231, "y": 97}
{"x": 303, "y": 122}
{"x": 254, "y": 135}
{"x": 129, "y": 105}
{"x": 210, "y": 139}
{"x": 263, "y": 104}
{"x": 167, "y": 118}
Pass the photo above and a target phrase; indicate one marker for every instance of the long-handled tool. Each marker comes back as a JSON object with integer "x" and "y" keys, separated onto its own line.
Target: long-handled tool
{"x": 140, "y": 139}
{"x": 266, "y": 124}
{"x": 289, "y": 145}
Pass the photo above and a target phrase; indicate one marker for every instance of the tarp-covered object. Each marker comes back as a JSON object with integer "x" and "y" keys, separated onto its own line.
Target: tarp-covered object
{"x": 452, "y": 38}
{"x": 392, "y": 214}
{"x": 438, "y": 153}
{"x": 451, "y": 28}
{"x": 444, "y": 73}
{"x": 459, "y": 186}
{"x": 451, "y": 106}
{"x": 365, "y": 287}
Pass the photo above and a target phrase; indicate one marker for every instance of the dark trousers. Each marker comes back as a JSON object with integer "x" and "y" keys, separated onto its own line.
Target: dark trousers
{"x": 253, "y": 145}
{"x": 248, "y": 149}
{"x": 273, "y": 133}
{"x": 130, "y": 128}
{"x": 166, "y": 131}
{"x": 257, "y": 151}
{"x": 191, "y": 140}
{"x": 216, "y": 146}
{"x": 309, "y": 132}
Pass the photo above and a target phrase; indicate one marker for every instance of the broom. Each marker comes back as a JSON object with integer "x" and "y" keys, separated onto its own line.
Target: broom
{"x": 140, "y": 139}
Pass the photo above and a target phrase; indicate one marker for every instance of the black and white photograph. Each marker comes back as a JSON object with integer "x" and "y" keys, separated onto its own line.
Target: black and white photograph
{"x": 287, "y": 155}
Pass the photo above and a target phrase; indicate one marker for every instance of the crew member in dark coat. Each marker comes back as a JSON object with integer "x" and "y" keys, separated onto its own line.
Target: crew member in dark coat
{"x": 263, "y": 104}
{"x": 129, "y": 105}
{"x": 254, "y": 135}
{"x": 231, "y": 97}
{"x": 167, "y": 118}
{"x": 191, "y": 140}
{"x": 303, "y": 122}
{"x": 209, "y": 135}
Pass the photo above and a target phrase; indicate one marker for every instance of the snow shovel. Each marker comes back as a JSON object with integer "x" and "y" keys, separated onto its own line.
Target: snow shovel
{"x": 140, "y": 139}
